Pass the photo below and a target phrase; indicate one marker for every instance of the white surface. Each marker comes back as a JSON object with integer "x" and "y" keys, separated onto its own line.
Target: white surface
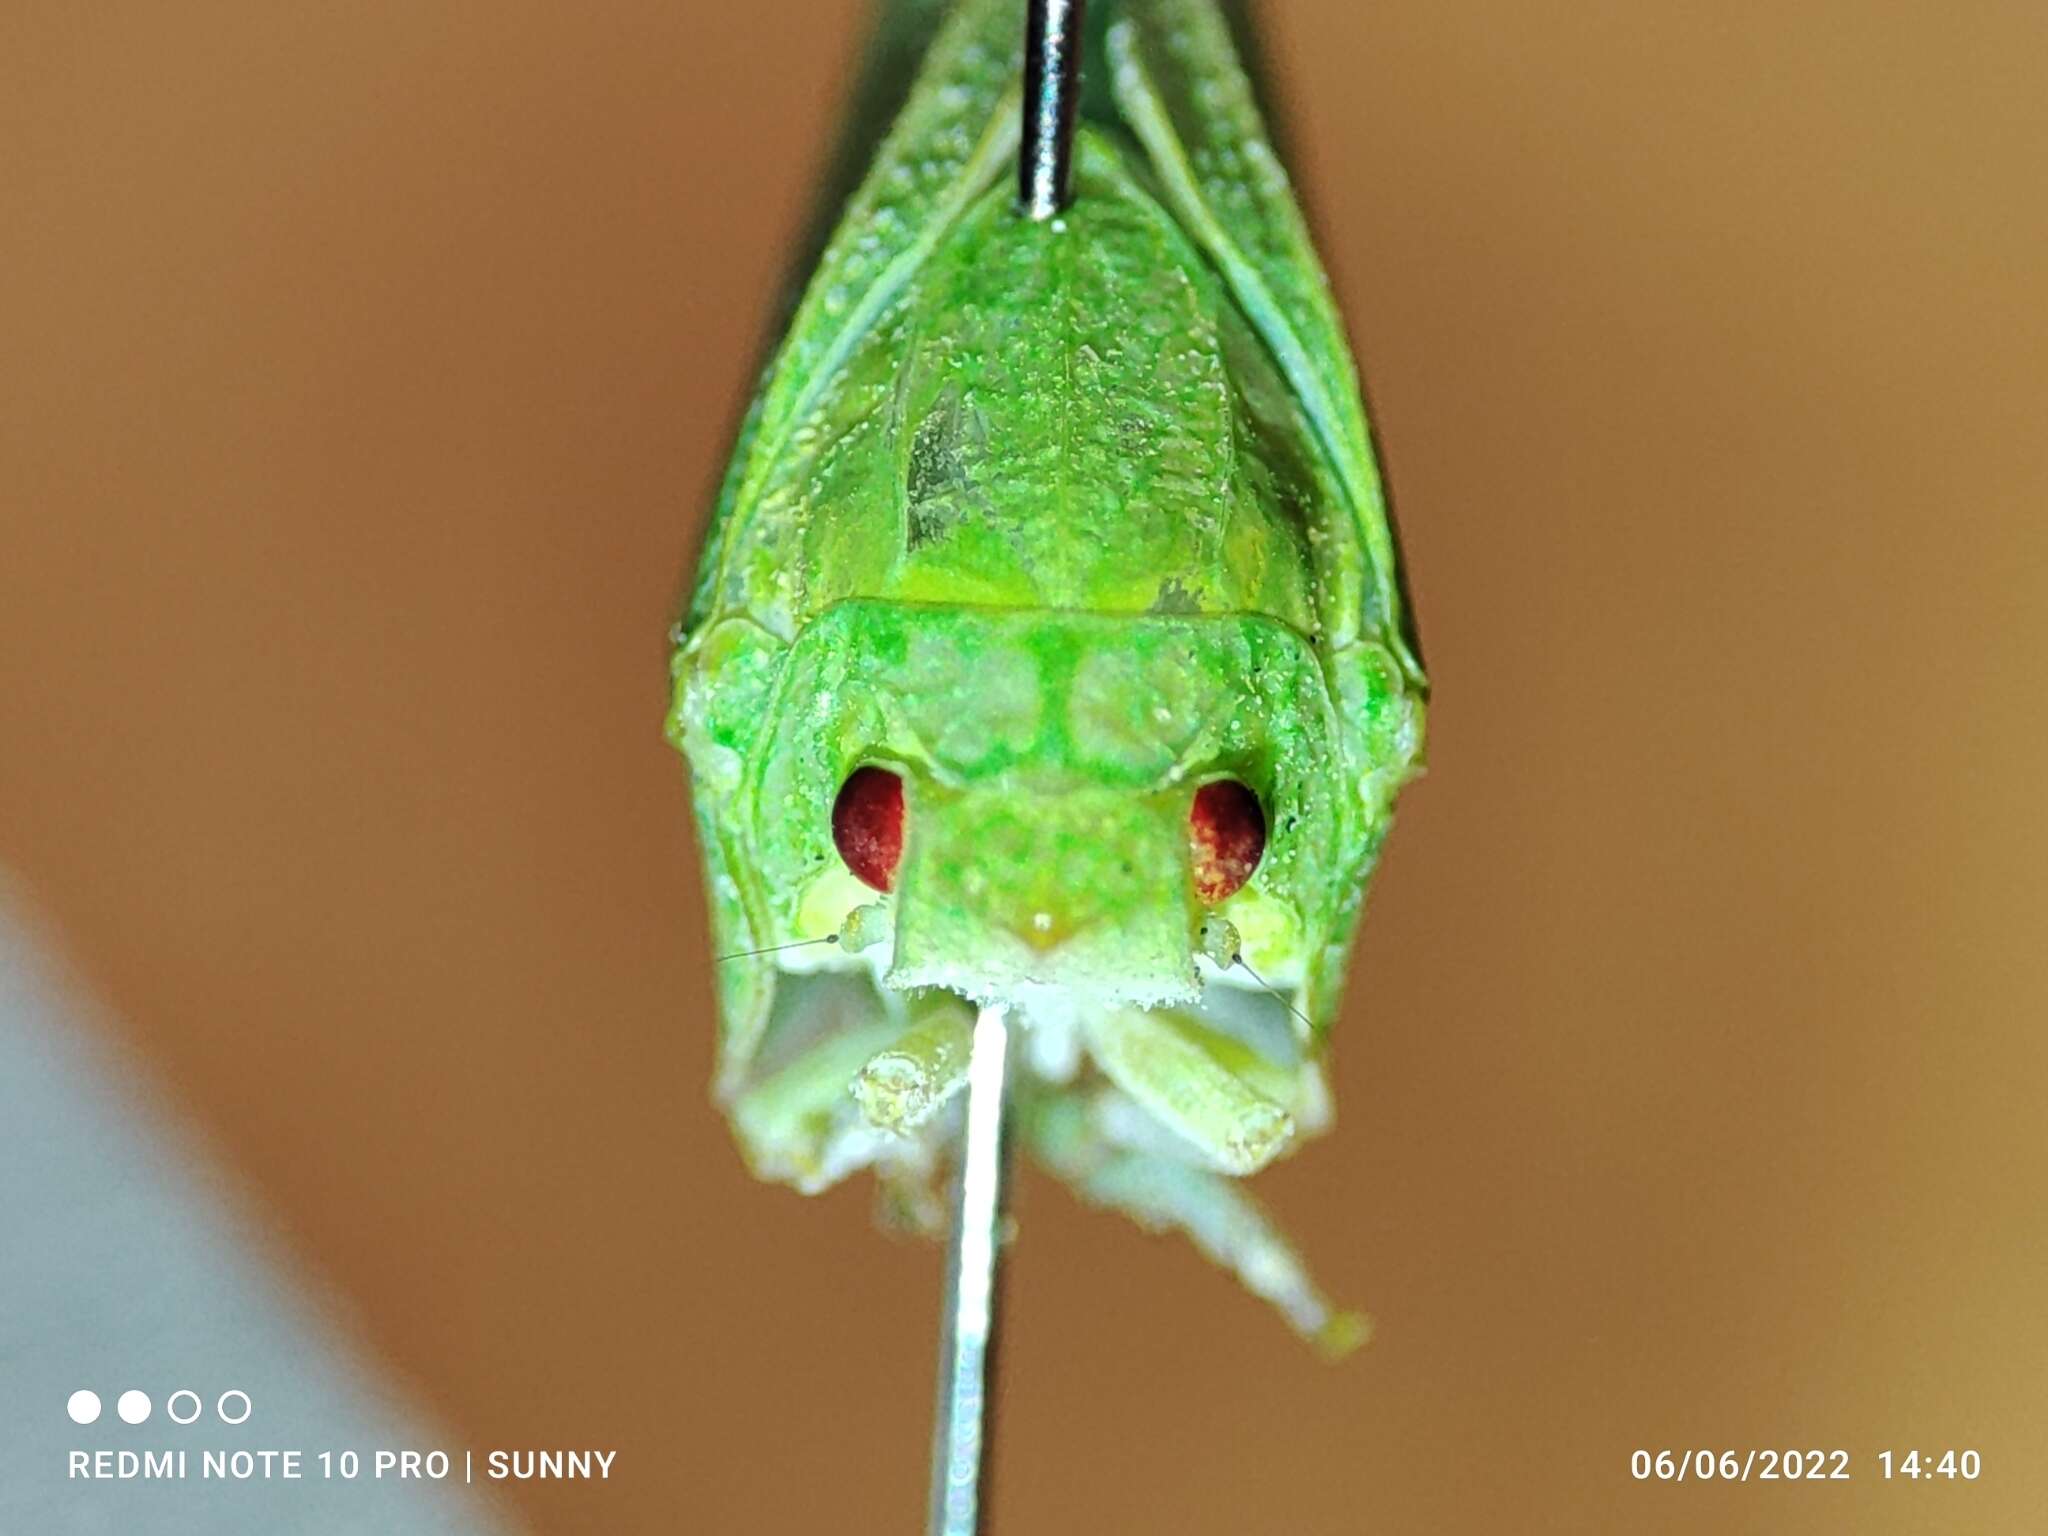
{"x": 126, "y": 1276}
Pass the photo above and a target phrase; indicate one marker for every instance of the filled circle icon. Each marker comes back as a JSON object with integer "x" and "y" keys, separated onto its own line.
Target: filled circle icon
{"x": 133, "y": 1407}
{"x": 84, "y": 1407}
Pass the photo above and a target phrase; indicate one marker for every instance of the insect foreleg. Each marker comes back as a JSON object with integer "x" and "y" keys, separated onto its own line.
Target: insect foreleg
{"x": 1215, "y": 1211}
{"x": 905, "y": 1084}
{"x": 1209, "y": 1089}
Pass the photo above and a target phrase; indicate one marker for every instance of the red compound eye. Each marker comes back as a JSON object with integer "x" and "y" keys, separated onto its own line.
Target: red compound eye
{"x": 867, "y": 825}
{"x": 1227, "y": 831}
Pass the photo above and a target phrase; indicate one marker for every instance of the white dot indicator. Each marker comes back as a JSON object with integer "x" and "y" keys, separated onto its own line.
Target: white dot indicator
{"x": 133, "y": 1406}
{"x": 171, "y": 1406}
{"x": 221, "y": 1407}
{"x": 84, "y": 1407}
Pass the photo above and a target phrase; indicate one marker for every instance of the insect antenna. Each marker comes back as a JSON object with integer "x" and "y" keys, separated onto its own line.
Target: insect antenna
{"x": 1052, "y": 88}
{"x": 1274, "y": 992}
{"x": 774, "y": 949}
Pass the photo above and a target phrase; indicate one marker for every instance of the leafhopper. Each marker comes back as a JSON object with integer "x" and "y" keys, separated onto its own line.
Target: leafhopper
{"x": 1049, "y": 648}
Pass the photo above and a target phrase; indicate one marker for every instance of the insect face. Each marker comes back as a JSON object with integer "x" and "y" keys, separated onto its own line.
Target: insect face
{"x": 1045, "y": 881}
{"x": 1045, "y": 801}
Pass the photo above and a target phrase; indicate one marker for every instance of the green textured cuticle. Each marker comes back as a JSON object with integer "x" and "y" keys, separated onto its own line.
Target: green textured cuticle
{"x": 905, "y": 1085}
{"x": 1056, "y": 522}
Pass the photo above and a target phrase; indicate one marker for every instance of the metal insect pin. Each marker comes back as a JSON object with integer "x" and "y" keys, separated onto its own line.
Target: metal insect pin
{"x": 1048, "y": 678}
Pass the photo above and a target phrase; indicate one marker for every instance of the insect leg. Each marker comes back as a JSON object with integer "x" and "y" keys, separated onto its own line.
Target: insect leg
{"x": 799, "y": 1124}
{"x": 905, "y": 1084}
{"x": 1209, "y": 1089}
{"x": 1216, "y": 1212}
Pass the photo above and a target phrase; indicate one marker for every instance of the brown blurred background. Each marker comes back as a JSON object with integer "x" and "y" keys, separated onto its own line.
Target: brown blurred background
{"x": 365, "y": 372}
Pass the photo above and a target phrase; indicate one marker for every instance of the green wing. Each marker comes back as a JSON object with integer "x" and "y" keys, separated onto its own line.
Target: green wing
{"x": 947, "y": 145}
{"x": 1181, "y": 89}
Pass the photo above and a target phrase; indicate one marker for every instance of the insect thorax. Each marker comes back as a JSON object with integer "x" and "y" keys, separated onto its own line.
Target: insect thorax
{"x": 1073, "y": 415}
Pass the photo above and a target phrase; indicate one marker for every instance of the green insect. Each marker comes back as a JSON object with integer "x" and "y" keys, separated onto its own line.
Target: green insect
{"x": 1049, "y": 649}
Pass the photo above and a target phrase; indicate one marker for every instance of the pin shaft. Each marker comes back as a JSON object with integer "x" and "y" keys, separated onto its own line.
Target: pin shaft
{"x": 965, "y": 1418}
{"x": 1052, "y": 87}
